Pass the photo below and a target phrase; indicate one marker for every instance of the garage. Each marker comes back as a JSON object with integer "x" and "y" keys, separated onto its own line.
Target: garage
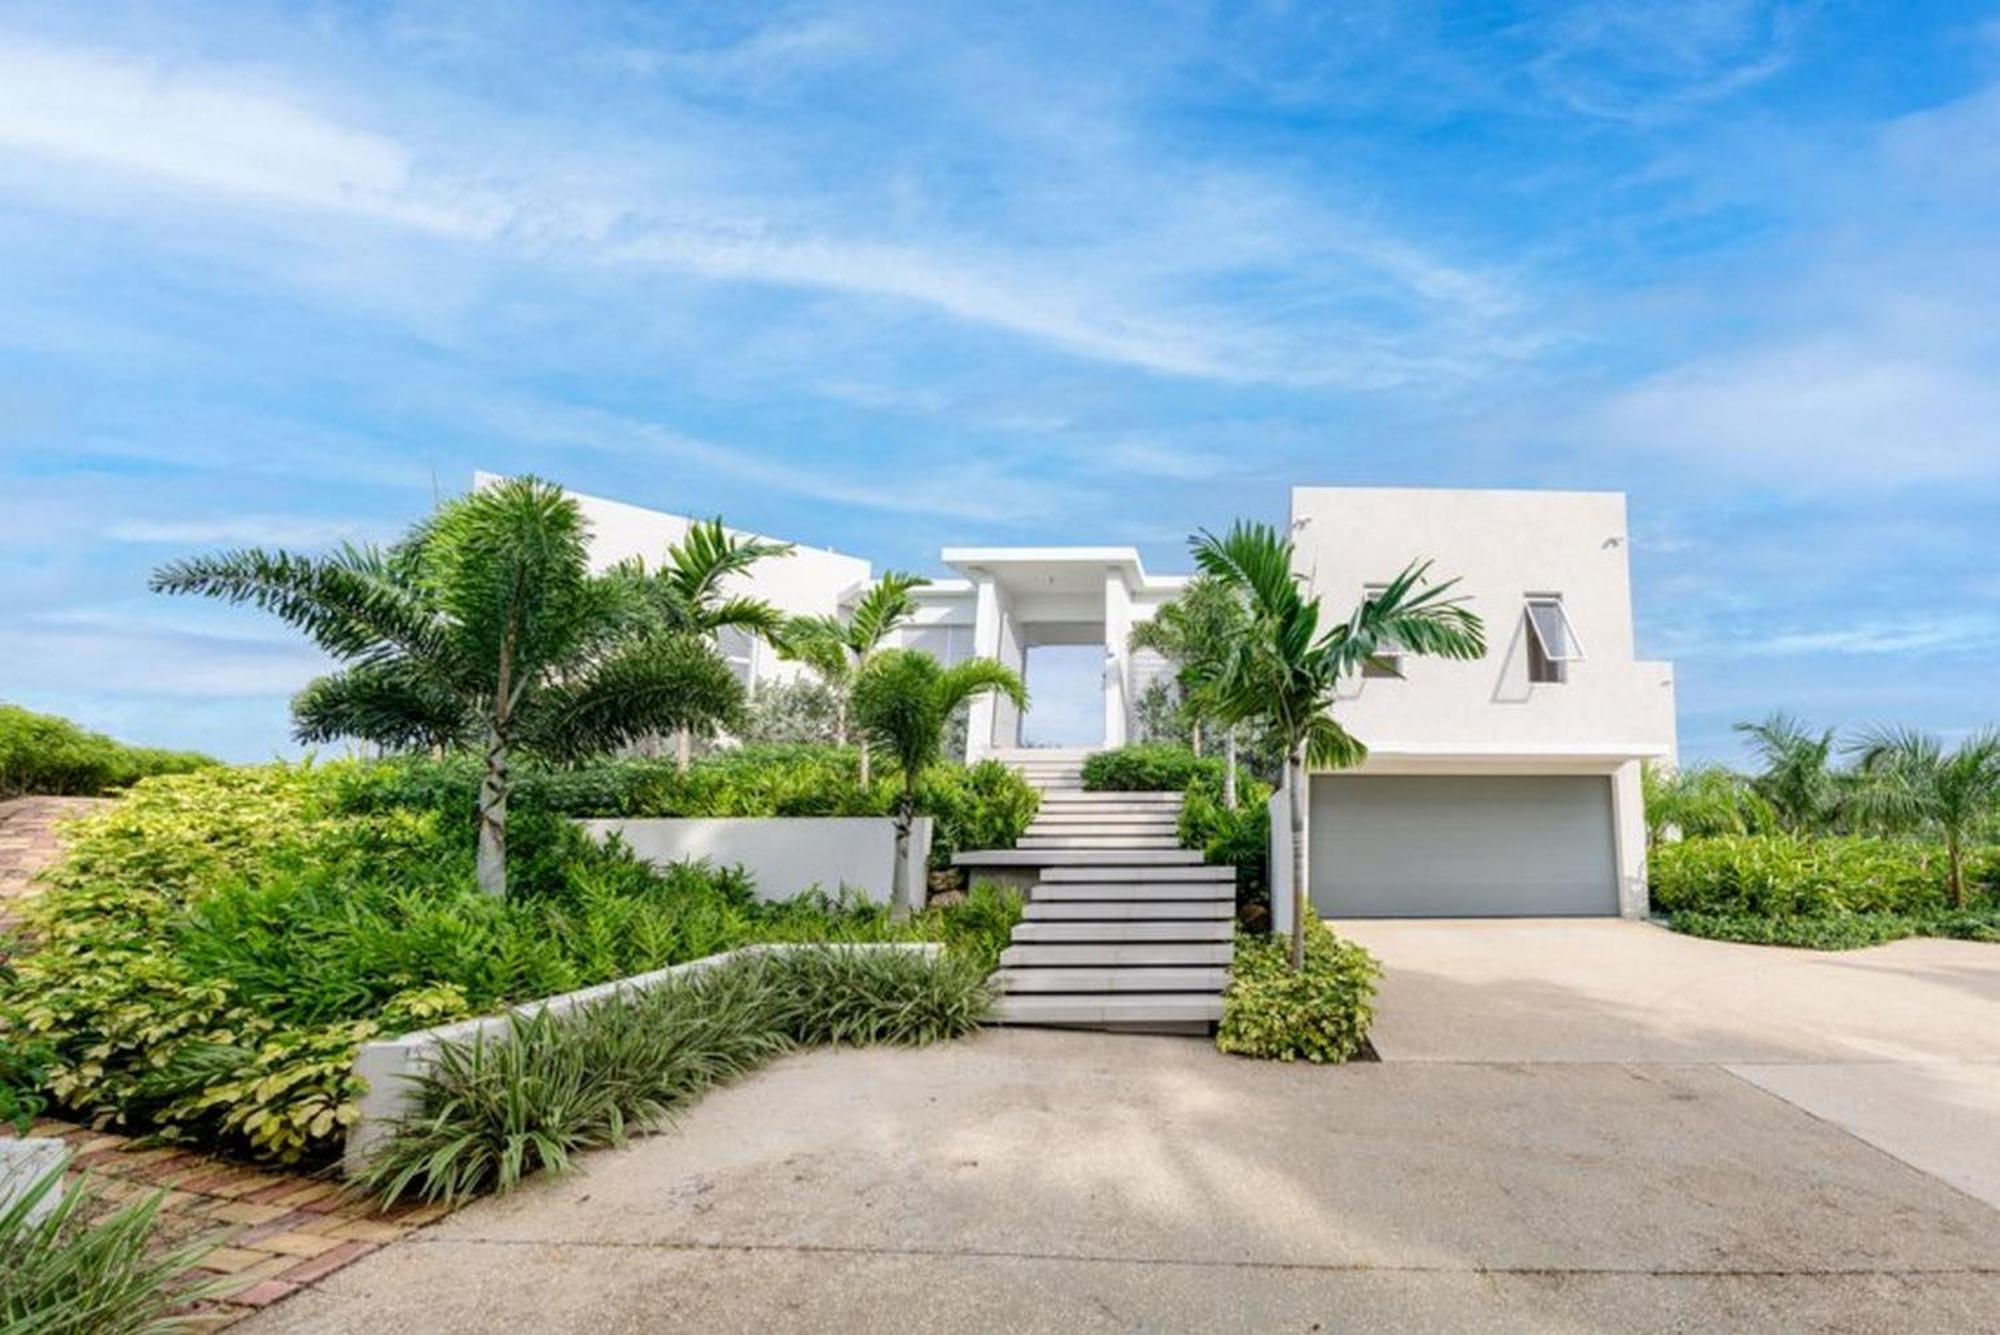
{"x": 1462, "y": 846}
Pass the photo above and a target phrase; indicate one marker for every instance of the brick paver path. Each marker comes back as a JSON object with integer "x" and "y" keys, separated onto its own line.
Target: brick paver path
{"x": 29, "y": 841}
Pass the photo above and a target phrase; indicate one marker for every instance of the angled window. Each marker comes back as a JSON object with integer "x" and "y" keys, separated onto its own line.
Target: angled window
{"x": 1387, "y": 663}
{"x": 1552, "y": 640}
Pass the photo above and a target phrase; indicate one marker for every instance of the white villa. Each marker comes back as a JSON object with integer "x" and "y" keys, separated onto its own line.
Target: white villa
{"x": 1508, "y": 786}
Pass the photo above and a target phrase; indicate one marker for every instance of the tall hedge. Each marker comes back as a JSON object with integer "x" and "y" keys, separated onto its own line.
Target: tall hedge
{"x": 43, "y": 754}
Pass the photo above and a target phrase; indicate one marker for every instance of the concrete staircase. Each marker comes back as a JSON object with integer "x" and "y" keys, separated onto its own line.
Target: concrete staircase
{"x": 1123, "y": 929}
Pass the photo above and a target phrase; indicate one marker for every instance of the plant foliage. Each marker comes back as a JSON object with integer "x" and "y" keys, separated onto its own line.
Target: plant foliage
{"x": 494, "y": 1112}
{"x": 43, "y": 754}
{"x": 1318, "y": 1013}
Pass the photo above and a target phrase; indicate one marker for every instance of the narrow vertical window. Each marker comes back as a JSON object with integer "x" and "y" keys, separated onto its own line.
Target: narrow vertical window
{"x": 739, "y": 650}
{"x": 1552, "y": 641}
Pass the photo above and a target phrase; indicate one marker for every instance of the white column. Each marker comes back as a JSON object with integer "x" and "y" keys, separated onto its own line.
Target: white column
{"x": 985, "y": 644}
{"x": 1628, "y": 820}
{"x": 1117, "y": 656}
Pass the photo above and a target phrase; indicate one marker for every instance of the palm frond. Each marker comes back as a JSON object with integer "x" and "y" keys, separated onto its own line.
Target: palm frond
{"x": 392, "y": 704}
{"x": 708, "y": 554}
{"x": 886, "y": 606}
{"x": 349, "y": 603}
{"x": 643, "y": 689}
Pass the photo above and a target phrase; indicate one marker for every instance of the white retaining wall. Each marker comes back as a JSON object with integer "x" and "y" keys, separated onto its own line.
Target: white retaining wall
{"x": 390, "y": 1066}
{"x": 784, "y": 855}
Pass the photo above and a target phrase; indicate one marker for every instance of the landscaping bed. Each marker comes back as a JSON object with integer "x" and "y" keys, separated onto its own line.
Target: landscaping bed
{"x": 1819, "y": 893}
{"x": 213, "y": 950}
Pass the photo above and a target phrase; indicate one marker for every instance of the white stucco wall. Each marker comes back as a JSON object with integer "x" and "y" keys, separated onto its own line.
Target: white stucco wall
{"x": 811, "y": 581}
{"x": 786, "y": 855}
{"x": 1502, "y": 546}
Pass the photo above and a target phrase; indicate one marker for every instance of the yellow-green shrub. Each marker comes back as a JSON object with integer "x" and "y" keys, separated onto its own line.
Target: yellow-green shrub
{"x": 1320, "y": 1013}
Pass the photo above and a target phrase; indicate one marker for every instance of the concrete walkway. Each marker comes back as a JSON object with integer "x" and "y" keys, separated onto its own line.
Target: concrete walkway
{"x": 1898, "y": 1044}
{"x": 1041, "y": 1180}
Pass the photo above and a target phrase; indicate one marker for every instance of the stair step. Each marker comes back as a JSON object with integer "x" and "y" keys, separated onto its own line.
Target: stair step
{"x": 1074, "y": 892}
{"x": 1080, "y": 858}
{"x": 1015, "y": 982}
{"x": 1129, "y": 1008}
{"x": 1134, "y": 799}
{"x": 1063, "y": 815}
{"x": 1104, "y": 869}
{"x": 1135, "y": 929}
{"x": 1138, "y": 953}
{"x": 1112, "y": 842}
{"x": 1106, "y": 912}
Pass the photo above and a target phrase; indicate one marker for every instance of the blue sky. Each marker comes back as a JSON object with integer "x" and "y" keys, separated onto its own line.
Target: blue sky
{"x": 889, "y": 276}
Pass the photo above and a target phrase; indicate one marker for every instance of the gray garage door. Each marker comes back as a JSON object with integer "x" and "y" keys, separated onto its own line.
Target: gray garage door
{"x": 1438, "y": 846}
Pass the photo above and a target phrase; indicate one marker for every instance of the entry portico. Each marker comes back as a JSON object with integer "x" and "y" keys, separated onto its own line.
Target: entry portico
{"x": 1020, "y": 598}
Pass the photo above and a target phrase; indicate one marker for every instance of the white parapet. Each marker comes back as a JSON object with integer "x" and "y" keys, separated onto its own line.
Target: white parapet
{"x": 391, "y": 1067}
{"x": 783, "y": 855}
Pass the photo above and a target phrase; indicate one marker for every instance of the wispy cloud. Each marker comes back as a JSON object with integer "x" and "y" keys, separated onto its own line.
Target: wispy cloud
{"x": 251, "y": 530}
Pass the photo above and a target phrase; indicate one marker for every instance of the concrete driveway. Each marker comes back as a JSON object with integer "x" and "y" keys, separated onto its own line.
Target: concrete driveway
{"x": 1030, "y": 1180}
{"x": 1898, "y": 1044}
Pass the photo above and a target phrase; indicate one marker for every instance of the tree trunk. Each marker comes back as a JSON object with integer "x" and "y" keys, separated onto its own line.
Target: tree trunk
{"x": 1955, "y": 855}
{"x": 683, "y": 749}
{"x": 1229, "y": 769}
{"x": 1194, "y": 736}
{"x": 864, "y": 764}
{"x": 491, "y": 866}
{"x": 840, "y": 720}
{"x": 899, "y": 879}
{"x": 1295, "y": 780}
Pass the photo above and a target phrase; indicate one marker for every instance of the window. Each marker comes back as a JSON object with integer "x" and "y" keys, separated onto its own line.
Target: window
{"x": 946, "y": 643}
{"x": 1552, "y": 641}
{"x": 1387, "y": 663}
{"x": 739, "y": 650}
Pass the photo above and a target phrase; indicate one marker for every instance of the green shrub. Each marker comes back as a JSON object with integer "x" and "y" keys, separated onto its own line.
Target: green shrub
{"x": 1320, "y": 1013}
{"x": 1838, "y": 931}
{"x": 1781, "y": 875}
{"x": 40, "y": 753}
{"x": 1238, "y": 837}
{"x": 1152, "y": 767}
{"x": 986, "y": 805}
{"x": 64, "y": 1274}
{"x": 494, "y": 1112}
{"x": 215, "y": 946}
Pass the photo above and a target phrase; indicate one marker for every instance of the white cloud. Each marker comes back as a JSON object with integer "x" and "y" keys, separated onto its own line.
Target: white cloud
{"x": 1150, "y": 288}
{"x": 1644, "y": 62}
{"x": 265, "y": 530}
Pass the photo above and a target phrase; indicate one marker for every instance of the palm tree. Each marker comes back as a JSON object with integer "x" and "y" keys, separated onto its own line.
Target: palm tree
{"x": 836, "y": 648}
{"x": 687, "y": 596}
{"x": 1198, "y": 633}
{"x": 483, "y": 626}
{"x": 1701, "y": 801}
{"x": 1908, "y": 778}
{"x": 903, "y": 702}
{"x": 1797, "y": 780}
{"x": 1286, "y": 669}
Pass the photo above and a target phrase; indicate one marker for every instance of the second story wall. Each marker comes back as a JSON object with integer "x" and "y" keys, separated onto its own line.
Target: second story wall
{"x": 1505, "y": 547}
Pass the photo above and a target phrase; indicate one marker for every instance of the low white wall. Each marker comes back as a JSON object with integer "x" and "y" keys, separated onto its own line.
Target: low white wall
{"x": 390, "y": 1066}
{"x": 784, "y": 855}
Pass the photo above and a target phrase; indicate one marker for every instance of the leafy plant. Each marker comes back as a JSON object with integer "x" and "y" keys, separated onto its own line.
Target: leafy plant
{"x": 1238, "y": 836}
{"x": 796, "y": 712}
{"x": 1908, "y": 779}
{"x": 687, "y": 599}
{"x": 1798, "y": 782}
{"x": 40, "y": 753}
{"x": 838, "y": 647}
{"x": 1318, "y": 1012}
{"x": 496, "y": 1111}
{"x": 63, "y": 1274}
{"x": 1198, "y": 633}
{"x": 484, "y": 627}
{"x": 216, "y": 944}
{"x": 903, "y": 699}
{"x": 1702, "y": 801}
{"x": 1788, "y": 876}
{"x": 1286, "y": 670}
{"x": 1148, "y": 768}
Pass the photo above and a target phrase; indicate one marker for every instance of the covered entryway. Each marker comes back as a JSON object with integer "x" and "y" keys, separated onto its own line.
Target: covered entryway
{"x": 1462, "y": 846}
